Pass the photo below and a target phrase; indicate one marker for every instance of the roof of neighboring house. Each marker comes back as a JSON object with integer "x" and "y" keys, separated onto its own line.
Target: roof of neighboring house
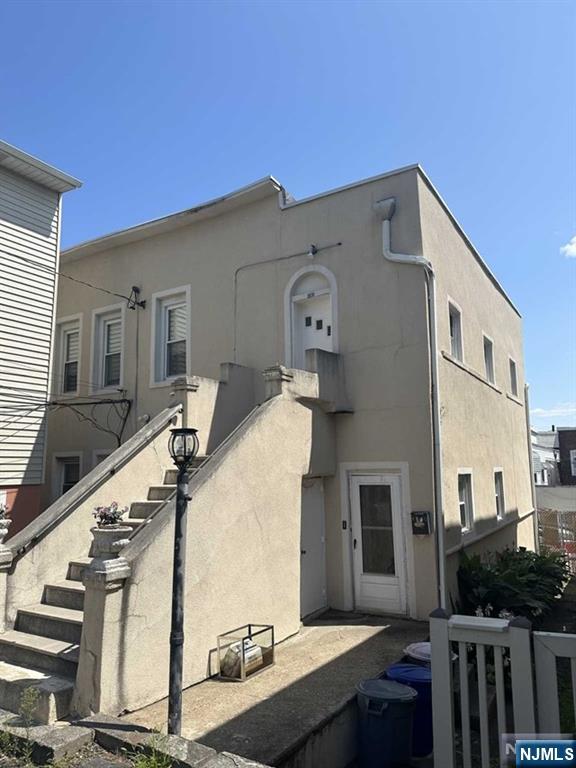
{"x": 20, "y": 162}
{"x": 546, "y": 439}
{"x": 258, "y": 190}
{"x": 560, "y": 498}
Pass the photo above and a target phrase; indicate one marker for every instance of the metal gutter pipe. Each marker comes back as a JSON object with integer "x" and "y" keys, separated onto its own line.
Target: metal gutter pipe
{"x": 386, "y": 210}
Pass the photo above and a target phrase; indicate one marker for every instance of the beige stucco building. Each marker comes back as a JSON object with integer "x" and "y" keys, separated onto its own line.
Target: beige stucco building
{"x": 393, "y": 385}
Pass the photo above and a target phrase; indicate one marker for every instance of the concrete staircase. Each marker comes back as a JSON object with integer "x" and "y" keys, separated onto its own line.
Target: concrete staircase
{"x": 41, "y": 651}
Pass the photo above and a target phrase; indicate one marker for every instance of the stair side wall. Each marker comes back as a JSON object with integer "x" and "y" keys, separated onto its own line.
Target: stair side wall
{"x": 243, "y": 565}
{"x": 47, "y": 561}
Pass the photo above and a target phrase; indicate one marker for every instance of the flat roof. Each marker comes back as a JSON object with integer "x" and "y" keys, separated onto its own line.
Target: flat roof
{"x": 258, "y": 190}
{"x": 32, "y": 168}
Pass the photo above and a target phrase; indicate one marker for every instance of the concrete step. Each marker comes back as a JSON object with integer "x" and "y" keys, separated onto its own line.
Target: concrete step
{"x": 160, "y": 492}
{"x": 171, "y": 475}
{"x": 66, "y": 594}
{"x": 76, "y": 568}
{"x": 51, "y": 621}
{"x": 141, "y": 510}
{"x": 36, "y": 652}
{"x": 55, "y": 692}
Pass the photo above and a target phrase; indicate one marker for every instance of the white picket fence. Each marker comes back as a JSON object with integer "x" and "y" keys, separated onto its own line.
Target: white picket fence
{"x": 533, "y": 705}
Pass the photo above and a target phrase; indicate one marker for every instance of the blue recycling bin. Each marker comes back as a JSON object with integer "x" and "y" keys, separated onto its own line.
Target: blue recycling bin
{"x": 385, "y": 710}
{"x": 419, "y": 678}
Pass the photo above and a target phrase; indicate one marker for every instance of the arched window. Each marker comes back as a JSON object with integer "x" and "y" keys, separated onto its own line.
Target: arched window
{"x": 310, "y": 306}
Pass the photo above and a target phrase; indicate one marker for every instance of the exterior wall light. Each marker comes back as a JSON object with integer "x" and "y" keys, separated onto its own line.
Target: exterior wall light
{"x": 183, "y": 446}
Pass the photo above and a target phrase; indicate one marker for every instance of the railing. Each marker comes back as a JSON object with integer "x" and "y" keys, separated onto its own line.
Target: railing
{"x": 548, "y": 648}
{"x": 526, "y": 701}
{"x": 60, "y": 509}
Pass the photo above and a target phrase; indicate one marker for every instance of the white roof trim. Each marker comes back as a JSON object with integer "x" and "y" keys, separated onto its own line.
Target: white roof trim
{"x": 257, "y": 190}
{"x": 26, "y": 165}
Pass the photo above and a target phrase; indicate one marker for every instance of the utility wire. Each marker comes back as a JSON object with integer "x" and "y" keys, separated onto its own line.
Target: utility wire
{"x": 132, "y": 300}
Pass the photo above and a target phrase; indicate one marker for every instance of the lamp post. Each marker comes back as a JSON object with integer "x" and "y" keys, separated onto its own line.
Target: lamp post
{"x": 183, "y": 447}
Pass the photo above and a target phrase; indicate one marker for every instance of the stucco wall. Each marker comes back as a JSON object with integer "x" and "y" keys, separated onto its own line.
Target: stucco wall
{"x": 243, "y": 544}
{"x": 381, "y": 326}
{"x": 483, "y": 426}
{"x": 46, "y": 562}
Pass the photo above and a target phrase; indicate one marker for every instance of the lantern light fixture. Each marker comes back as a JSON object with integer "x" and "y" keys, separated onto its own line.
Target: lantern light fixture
{"x": 183, "y": 446}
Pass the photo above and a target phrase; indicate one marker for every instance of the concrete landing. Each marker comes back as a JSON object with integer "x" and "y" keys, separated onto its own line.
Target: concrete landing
{"x": 267, "y": 718}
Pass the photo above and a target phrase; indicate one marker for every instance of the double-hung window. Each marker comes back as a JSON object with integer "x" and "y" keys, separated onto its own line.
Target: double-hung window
{"x": 68, "y": 473}
{"x": 171, "y": 335}
{"x": 513, "y": 378}
{"x": 108, "y": 347}
{"x": 499, "y": 493}
{"x": 489, "y": 359}
{"x": 175, "y": 322}
{"x": 465, "y": 500}
{"x": 68, "y": 354}
{"x": 455, "y": 318}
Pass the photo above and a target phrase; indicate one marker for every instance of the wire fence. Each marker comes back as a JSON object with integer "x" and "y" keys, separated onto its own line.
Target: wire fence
{"x": 557, "y": 531}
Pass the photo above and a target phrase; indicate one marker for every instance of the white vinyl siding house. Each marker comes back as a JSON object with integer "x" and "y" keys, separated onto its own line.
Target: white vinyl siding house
{"x": 29, "y": 242}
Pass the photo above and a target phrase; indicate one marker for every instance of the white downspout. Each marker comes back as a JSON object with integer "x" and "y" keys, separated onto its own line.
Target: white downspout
{"x": 386, "y": 210}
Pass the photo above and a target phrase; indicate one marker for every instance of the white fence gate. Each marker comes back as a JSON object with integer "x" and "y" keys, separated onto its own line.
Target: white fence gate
{"x": 532, "y": 707}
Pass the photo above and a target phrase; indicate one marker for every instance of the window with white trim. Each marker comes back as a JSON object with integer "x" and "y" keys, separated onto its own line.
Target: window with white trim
{"x": 171, "y": 342}
{"x": 465, "y": 501}
{"x": 499, "y": 494}
{"x": 489, "y": 359}
{"x": 69, "y": 472}
{"x": 108, "y": 347}
{"x": 68, "y": 357}
{"x": 455, "y": 317}
{"x": 513, "y": 378}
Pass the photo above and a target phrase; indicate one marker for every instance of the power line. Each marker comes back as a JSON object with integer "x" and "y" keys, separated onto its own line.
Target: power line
{"x": 132, "y": 300}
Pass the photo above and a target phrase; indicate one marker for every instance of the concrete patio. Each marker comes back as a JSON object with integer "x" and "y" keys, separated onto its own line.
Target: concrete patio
{"x": 270, "y": 717}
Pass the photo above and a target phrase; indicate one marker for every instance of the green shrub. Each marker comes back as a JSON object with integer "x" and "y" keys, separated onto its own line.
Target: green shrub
{"x": 513, "y": 581}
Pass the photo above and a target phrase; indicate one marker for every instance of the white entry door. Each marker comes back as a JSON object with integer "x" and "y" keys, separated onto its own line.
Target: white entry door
{"x": 378, "y": 543}
{"x": 312, "y": 548}
{"x": 312, "y": 317}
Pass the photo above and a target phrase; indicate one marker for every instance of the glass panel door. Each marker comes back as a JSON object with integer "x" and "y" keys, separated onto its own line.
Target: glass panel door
{"x": 377, "y": 529}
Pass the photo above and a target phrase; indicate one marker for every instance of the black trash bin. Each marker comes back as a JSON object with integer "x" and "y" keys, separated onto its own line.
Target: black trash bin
{"x": 385, "y": 711}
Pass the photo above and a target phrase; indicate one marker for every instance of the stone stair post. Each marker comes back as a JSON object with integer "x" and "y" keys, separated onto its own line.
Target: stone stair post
{"x": 180, "y": 393}
{"x": 6, "y": 558}
{"x": 101, "y": 646}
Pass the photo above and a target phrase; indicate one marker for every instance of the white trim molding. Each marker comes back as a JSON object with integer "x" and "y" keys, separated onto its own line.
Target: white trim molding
{"x": 96, "y": 359}
{"x": 57, "y": 378}
{"x": 465, "y": 531}
{"x": 345, "y": 471}
{"x": 288, "y": 308}
{"x": 452, "y": 303}
{"x": 156, "y": 301}
{"x": 485, "y": 338}
{"x": 56, "y": 485}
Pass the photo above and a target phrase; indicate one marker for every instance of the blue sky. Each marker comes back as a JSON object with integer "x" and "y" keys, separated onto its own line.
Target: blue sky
{"x": 157, "y": 106}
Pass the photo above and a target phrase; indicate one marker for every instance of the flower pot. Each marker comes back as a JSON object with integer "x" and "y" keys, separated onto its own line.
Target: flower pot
{"x": 5, "y": 523}
{"x": 109, "y": 540}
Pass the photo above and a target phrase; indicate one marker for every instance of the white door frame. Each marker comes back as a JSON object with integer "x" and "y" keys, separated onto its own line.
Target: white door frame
{"x": 400, "y": 468}
{"x": 288, "y": 307}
